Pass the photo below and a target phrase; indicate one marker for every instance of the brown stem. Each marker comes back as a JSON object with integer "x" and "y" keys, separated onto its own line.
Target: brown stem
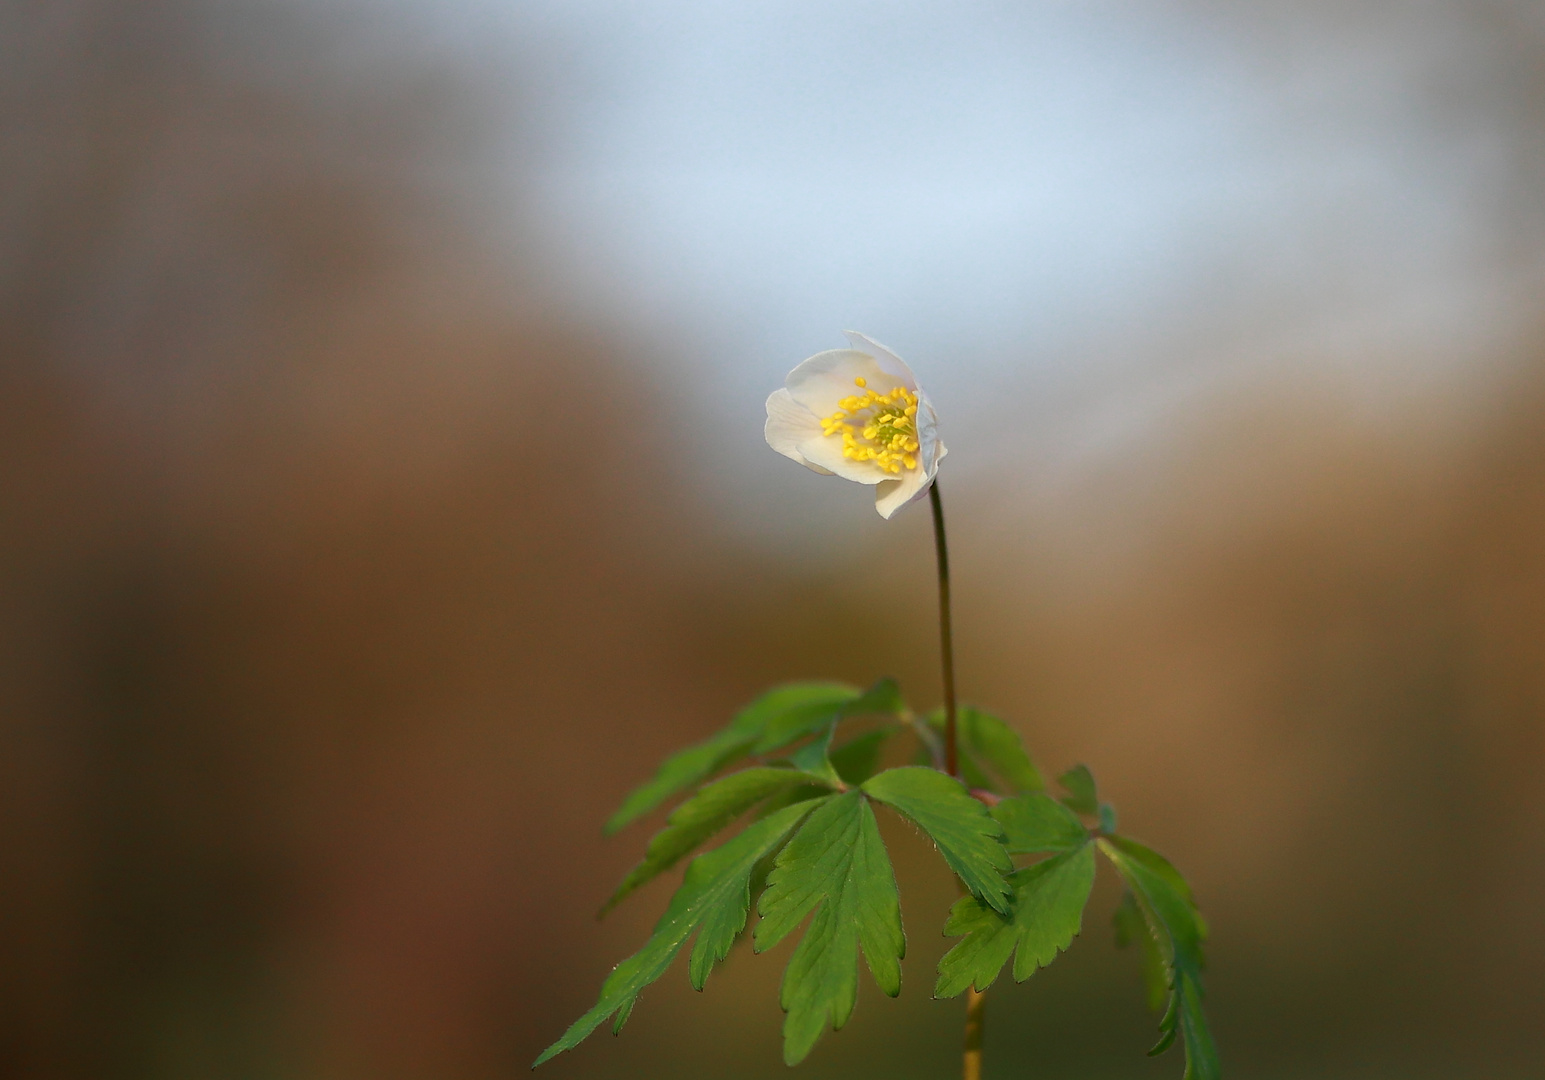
{"x": 946, "y": 638}
{"x": 976, "y": 1009}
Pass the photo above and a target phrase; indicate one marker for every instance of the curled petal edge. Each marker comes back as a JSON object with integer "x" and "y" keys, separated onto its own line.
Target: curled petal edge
{"x": 888, "y": 361}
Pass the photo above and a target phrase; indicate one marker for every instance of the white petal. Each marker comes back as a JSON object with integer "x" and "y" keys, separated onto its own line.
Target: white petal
{"x": 896, "y": 493}
{"x": 930, "y": 449}
{"x": 889, "y": 362}
{"x": 789, "y": 424}
{"x": 823, "y": 380}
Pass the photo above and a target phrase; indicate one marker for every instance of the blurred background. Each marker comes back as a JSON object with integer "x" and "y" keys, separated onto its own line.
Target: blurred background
{"x": 382, "y": 493}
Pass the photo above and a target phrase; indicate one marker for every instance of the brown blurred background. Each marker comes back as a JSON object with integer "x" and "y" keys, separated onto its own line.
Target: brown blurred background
{"x": 356, "y": 555}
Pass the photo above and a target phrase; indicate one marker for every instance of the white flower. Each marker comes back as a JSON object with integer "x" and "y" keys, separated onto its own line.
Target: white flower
{"x": 858, "y": 413}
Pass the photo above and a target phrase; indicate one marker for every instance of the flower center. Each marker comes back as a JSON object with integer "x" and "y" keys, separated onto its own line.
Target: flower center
{"x": 876, "y": 427}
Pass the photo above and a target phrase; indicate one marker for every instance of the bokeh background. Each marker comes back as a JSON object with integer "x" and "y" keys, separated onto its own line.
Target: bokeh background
{"x": 382, "y": 492}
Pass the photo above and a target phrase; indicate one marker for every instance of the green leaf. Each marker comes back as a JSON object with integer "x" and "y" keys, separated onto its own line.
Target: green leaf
{"x": 1164, "y": 900}
{"x": 1165, "y": 869}
{"x": 695, "y": 764}
{"x": 1046, "y": 915}
{"x": 724, "y": 884}
{"x": 968, "y": 837}
{"x": 1037, "y": 823}
{"x": 1079, "y": 784}
{"x": 776, "y": 703}
{"x": 837, "y": 861}
{"x": 714, "y": 895}
{"x": 790, "y": 796}
{"x": 984, "y": 738}
{"x": 883, "y": 698}
{"x": 997, "y": 745}
{"x": 856, "y": 759}
{"x": 1159, "y": 865}
{"x": 812, "y": 758}
{"x": 1132, "y": 929}
{"x": 1201, "y": 1052}
{"x": 679, "y": 771}
{"x": 703, "y": 815}
{"x": 1107, "y": 818}
{"x": 971, "y": 773}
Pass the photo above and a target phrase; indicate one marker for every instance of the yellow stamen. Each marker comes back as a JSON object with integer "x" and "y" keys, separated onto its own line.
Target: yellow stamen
{"x": 877, "y": 427}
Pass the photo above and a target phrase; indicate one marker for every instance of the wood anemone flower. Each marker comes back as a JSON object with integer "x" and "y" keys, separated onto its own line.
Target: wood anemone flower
{"x": 858, "y": 413}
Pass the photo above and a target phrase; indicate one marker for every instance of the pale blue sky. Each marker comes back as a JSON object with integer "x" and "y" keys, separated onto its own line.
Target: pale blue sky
{"x": 1069, "y": 217}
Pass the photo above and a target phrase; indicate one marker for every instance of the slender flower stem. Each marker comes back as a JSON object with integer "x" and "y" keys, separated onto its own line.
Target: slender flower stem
{"x": 975, "y": 1002}
{"x": 946, "y": 638}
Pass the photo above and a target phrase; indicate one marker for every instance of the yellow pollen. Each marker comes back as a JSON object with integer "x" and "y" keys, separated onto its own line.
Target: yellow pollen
{"x": 860, "y": 382}
{"x": 877, "y": 427}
